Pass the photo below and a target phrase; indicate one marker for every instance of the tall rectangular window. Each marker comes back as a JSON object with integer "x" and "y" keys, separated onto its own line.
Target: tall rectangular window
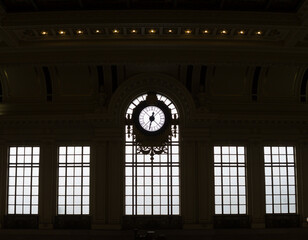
{"x": 152, "y": 187}
{"x": 152, "y": 183}
{"x": 280, "y": 179}
{"x": 74, "y": 180}
{"x": 230, "y": 179}
{"x": 23, "y": 184}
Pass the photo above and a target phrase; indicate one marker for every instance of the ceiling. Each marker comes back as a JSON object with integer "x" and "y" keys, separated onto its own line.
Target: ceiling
{"x": 242, "y": 5}
{"x": 188, "y": 31}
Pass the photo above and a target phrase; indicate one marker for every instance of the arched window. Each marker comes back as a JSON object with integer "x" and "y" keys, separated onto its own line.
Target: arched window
{"x": 152, "y": 183}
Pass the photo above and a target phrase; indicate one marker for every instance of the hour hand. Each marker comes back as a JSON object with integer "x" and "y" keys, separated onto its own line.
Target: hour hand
{"x": 151, "y": 118}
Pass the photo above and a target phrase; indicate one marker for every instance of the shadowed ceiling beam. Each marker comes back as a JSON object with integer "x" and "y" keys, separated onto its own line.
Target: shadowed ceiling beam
{"x": 7, "y": 39}
{"x": 34, "y": 5}
{"x": 222, "y": 3}
{"x": 128, "y": 4}
{"x": 268, "y": 5}
{"x": 175, "y": 4}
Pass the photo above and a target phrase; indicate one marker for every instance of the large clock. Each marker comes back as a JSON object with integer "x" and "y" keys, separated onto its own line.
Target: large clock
{"x": 152, "y": 118}
{"x": 152, "y": 125}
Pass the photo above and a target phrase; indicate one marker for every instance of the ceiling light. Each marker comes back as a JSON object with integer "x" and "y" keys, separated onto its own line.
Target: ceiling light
{"x": 79, "y": 31}
{"x": 223, "y": 31}
{"x": 152, "y": 31}
{"x": 205, "y": 31}
{"x": 61, "y": 32}
{"x": 188, "y": 31}
{"x": 241, "y": 32}
{"x": 259, "y": 32}
{"x": 115, "y": 31}
{"x": 44, "y": 33}
{"x": 133, "y": 31}
{"x": 170, "y": 31}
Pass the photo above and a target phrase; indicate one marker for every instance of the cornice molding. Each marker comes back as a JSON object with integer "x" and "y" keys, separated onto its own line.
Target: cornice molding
{"x": 150, "y": 16}
{"x": 190, "y": 52}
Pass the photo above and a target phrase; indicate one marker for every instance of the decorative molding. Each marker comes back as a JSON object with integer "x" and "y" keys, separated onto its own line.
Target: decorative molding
{"x": 157, "y": 82}
{"x": 152, "y": 31}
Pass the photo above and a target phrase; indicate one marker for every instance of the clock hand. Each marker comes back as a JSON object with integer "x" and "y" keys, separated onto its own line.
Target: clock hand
{"x": 151, "y": 118}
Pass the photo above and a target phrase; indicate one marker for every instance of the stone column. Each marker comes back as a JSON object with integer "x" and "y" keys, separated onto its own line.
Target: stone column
{"x": 48, "y": 183}
{"x": 3, "y": 180}
{"x": 98, "y": 182}
{"x": 255, "y": 184}
{"x": 108, "y": 179}
{"x": 205, "y": 170}
{"x": 302, "y": 181}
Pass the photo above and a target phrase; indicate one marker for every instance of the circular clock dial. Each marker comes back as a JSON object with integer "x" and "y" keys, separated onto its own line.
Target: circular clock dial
{"x": 151, "y": 118}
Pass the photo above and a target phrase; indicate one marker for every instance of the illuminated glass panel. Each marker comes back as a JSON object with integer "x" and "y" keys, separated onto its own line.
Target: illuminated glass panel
{"x": 23, "y": 182}
{"x": 280, "y": 179}
{"x": 230, "y": 179}
{"x": 152, "y": 187}
{"x": 74, "y": 180}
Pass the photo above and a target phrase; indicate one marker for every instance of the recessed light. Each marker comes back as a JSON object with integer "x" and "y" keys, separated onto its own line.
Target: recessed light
{"x": 152, "y": 31}
{"x": 115, "y": 31}
{"x": 44, "y": 33}
{"x": 205, "y": 31}
{"x": 224, "y": 31}
{"x": 170, "y": 31}
{"x": 259, "y": 32}
{"x": 61, "y": 32}
{"x": 241, "y": 32}
{"x": 188, "y": 31}
{"x": 79, "y": 31}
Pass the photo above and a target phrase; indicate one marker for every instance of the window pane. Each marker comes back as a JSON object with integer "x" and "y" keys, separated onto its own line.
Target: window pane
{"x": 74, "y": 180}
{"x": 279, "y": 179}
{"x": 154, "y": 183}
{"x": 23, "y": 170}
{"x": 230, "y": 180}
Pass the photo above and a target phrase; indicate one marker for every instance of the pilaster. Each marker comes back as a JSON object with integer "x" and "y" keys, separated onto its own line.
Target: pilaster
{"x": 48, "y": 183}
{"x": 255, "y": 183}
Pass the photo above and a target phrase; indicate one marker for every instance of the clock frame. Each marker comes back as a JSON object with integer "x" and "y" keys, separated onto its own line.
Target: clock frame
{"x": 160, "y": 105}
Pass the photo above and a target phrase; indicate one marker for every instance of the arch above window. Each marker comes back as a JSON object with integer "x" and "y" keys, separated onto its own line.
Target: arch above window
{"x": 157, "y": 82}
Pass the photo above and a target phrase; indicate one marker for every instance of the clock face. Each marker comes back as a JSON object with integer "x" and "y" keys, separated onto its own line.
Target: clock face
{"x": 152, "y": 118}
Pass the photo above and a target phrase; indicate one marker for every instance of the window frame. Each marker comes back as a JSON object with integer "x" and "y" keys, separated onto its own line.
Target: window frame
{"x": 33, "y": 174}
{"x": 278, "y": 165}
{"x": 64, "y": 186}
{"x": 219, "y": 185}
{"x": 147, "y": 164}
